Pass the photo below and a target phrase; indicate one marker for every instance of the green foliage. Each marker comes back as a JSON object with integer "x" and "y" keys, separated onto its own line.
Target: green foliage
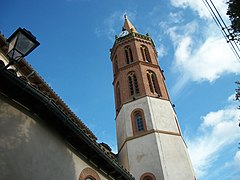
{"x": 233, "y": 12}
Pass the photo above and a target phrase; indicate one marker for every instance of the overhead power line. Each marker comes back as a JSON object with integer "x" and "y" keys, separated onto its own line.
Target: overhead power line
{"x": 227, "y": 32}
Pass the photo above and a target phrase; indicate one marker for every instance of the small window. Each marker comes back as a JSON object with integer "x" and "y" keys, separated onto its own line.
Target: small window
{"x": 128, "y": 55}
{"x": 145, "y": 54}
{"x": 138, "y": 121}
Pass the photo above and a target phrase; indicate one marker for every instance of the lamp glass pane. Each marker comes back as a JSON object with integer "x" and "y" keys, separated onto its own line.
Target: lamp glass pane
{"x": 15, "y": 55}
{"x": 24, "y": 45}
{"x": 12, "y": 44}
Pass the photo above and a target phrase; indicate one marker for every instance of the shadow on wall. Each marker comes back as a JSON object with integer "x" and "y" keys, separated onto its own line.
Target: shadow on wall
{"x": 29, "y": 150}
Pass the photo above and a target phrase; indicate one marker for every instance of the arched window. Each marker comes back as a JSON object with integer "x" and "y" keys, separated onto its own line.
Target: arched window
{"x": 118, "y": 95}
{"x": 148, "y": 176}
{"x": 89, "y": 174}
{"x": 153, "y": 83}
{"x": 90, "y": 178}
{"x": 138, "y": 121}
{"x": 145, "y": 53}
{"x": 128, "y": 54}
{"x": 133, "y": 84}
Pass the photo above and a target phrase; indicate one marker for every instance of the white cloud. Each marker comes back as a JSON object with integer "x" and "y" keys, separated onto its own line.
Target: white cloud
{"x": 221, "y": 59}
{"x": 237, "y": 158}
{"x": 176, "y": 17}
{"x": 200, "y": 51}
{"x": 177, "y": 33}
{"x": 233, "y": 165}
{"x": 161, "y": 50}
{"x": 232, "y": 97}
{"x": 217, "y": 131}
{"x": 208, "y": 53}
{"x": 200, "y": 55}
{"x": 208, "y": 61}
{"x": 199, "y": 7}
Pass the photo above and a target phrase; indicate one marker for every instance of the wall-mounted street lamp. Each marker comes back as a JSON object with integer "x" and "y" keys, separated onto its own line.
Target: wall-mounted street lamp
{"x": 21, "y": 43}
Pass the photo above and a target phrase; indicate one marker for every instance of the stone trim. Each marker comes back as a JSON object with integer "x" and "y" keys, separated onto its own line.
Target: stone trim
{"x": 88, "y": 172}
{"x": 146, "y": 133}
{"x": 147, "y": 176}
{"x": 137, "y": 98}
{"x": 134, "y": 128}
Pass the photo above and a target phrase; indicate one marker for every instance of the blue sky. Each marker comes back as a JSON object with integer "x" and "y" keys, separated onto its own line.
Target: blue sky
{"x": 198, "y": 64}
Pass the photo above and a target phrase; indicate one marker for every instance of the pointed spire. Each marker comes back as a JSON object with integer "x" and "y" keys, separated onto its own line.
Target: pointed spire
{"x": 128, "y": 25}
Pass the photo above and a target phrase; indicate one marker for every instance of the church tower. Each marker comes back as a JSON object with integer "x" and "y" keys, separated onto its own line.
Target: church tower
{"x": 150, "y": 143}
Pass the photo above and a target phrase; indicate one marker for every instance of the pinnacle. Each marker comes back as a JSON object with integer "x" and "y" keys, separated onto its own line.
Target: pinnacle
{"x": 128, "y": 25}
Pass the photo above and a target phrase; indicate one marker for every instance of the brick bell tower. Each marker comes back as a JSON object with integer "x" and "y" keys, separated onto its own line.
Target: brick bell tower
{"x": 150, "y": 143}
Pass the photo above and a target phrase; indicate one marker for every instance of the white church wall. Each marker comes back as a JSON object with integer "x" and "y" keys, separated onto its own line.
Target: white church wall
{"x": 144, "y": 156}
{"x": 175, "y": 157}
{"x": 163, "y": 115}
{"x": 30, "y": 150}
{"x": 123, "y": 157}
{"x": 160, "y": 144}
{"x": 159, "y": 115}
{"x": 123, "y": 120}
{"x": 120, "y": 127}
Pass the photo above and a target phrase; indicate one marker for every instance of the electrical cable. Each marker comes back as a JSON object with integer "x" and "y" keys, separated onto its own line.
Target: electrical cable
{"x": 223, "y": 27}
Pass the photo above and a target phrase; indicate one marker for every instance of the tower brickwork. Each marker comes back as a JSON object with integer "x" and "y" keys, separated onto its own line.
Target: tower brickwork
{"x": 150, "y": 143}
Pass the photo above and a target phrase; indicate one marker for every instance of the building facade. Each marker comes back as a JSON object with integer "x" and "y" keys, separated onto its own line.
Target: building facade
{"x": 150, "y": 143}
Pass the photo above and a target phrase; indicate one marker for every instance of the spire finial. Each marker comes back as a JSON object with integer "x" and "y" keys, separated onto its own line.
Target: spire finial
{"x": 128, "y": 25}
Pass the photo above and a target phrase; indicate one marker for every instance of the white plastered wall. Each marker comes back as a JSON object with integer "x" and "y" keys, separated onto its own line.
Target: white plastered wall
{"x": 29, "y": 150}
{"x": 159, "y": 115}
{"x": 144, "y": 156}
{"x": 174, "y": 157}
{"x": 162, "y": 151}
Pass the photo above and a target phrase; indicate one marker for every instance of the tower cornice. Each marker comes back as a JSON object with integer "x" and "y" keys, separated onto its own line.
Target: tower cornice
{"x": 119, "y": 41}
